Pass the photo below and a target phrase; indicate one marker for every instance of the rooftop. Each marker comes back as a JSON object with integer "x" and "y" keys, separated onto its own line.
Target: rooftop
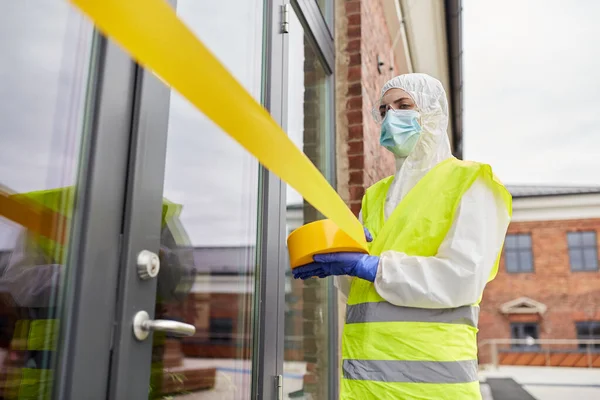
{"x": 519, "y": 191}
{"x": 544, "y": 383}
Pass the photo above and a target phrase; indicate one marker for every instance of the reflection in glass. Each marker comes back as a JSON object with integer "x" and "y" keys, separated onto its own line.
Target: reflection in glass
{"x": 576, "y": 259}
{"x": 326, "y": 7}
{"x": 588, "y": 239}
{"x": 306, "y": 364}
{"x": 43, "y": 74}
{"x": 524, "y": 241}
{"x": 525, "y": 261}
{"x": 590, "y": 259}
{"x": 211, "y": 188}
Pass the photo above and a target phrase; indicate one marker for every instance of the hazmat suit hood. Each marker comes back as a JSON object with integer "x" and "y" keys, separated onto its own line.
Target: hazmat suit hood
{"x": 433, "y": 146}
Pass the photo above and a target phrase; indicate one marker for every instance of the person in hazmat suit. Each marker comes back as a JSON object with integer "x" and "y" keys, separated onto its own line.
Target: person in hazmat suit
{"x": 435, "y": 231}
{"x": 31, "y": 281}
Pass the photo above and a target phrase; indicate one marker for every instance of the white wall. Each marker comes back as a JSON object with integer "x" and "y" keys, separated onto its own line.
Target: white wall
{"x": 553, "y": 208}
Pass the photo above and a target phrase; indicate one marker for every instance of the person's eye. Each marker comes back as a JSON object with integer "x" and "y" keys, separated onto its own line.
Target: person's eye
{"x": 405, "y": 106}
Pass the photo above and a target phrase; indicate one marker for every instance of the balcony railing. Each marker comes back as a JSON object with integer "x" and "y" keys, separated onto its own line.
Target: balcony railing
{"x": 584, "y": 353}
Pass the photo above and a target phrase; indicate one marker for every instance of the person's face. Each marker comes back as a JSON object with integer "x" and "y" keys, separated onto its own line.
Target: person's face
{"x": 395, "y": 99}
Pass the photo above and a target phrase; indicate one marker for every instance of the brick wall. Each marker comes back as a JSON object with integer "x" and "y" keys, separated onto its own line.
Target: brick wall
{"x": 362, "y": 36}
{"x": 569, "y": 296}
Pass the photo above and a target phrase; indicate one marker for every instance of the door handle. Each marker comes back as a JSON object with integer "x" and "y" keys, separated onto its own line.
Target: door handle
{"x": 143, "y": 325}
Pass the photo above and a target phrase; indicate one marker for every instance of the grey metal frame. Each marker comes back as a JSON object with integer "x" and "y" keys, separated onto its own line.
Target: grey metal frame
{"x": 333, "y": 311}
{"x": 142, "y": 225}
{"x": 330, "y": 11}
{"x": 268, "y": 349}
{"x": 87, "y": 322}
{"x": 316, "y": 28}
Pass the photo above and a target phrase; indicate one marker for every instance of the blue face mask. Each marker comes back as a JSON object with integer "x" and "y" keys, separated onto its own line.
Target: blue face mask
{"x": 400, "y": 131}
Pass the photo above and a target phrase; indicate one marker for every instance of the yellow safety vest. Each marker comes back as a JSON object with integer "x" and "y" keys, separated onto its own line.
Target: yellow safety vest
{"x": 392, "y": 352}
{"x": 41, "y": 334}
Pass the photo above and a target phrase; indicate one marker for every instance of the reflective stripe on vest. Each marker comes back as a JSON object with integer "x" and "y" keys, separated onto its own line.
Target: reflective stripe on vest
{"x": 411, "y": 371}
{"x": 402, "y": 352}
{"x": 386, "y": 312}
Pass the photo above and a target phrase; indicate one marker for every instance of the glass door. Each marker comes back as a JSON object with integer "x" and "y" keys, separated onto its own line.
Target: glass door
{"x": 188, "y": 292}
{"x": 204, "y": 299}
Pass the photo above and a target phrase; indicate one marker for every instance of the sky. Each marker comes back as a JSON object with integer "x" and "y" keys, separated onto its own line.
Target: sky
{"x": 532, "y": 83}
{"x": 531, "y": 72}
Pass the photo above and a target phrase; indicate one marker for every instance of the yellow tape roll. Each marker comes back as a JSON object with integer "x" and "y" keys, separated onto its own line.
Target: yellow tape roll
{"x": 154, "y": 36}
{"x": 317, "y": 238}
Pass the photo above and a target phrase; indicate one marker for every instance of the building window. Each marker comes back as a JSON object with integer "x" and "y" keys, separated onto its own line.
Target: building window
{"x": 528, "y": 331}
{"x": 583, "y": 251}
{"x": 221, "y": 330}
{"x": 518, "y": 256}
{"x": 589, "y": 330}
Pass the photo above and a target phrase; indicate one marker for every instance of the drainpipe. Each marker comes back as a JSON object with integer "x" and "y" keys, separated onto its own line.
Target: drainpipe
{"x": 454, "y": 37}
{"x": 401, "y": 35}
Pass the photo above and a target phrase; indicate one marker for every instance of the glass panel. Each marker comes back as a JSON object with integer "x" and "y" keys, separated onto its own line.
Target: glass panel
{"x": 307, "y": 339}
{"x": 583, "y": 330}
{"x": 574, "y": 239}
{"x": 524, "y": 241}
{"x": 576, "y": 259}
{"x": 589, "y": 239}
{"x": 43, "y": 78}
{"x": 530, "y": 330}
{"x": 595, "y": 329}
{"x": 525, "y": 261}
{"x": 510, "y": 242}
{"x": 210, "y": 215}
{"x": 590, "y": 259}
{"x": 511, "y": 261}
{"x": 326, "y": 7}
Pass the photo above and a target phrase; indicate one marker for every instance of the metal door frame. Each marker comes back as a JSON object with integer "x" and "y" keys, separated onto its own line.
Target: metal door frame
{"x": 131, "y": 359}
{"x": 270, "y": 285}
{"x": 86, "y": 325}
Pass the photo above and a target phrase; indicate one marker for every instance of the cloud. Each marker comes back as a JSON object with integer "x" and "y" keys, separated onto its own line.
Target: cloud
{"x": 532, "y": 74}
{"x": 214, "y": 179}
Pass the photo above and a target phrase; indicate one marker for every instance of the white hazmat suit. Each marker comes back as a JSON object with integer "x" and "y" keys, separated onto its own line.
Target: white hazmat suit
{"x": 458, "y": 273}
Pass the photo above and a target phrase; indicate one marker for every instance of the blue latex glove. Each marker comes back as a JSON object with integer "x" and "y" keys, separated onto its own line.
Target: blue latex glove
{"x": 353, "y": 264}
{"x": 368, "y": 235}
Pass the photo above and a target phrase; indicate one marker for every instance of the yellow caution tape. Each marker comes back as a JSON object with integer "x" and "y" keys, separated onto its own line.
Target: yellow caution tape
{"x": 154, "y": 36}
